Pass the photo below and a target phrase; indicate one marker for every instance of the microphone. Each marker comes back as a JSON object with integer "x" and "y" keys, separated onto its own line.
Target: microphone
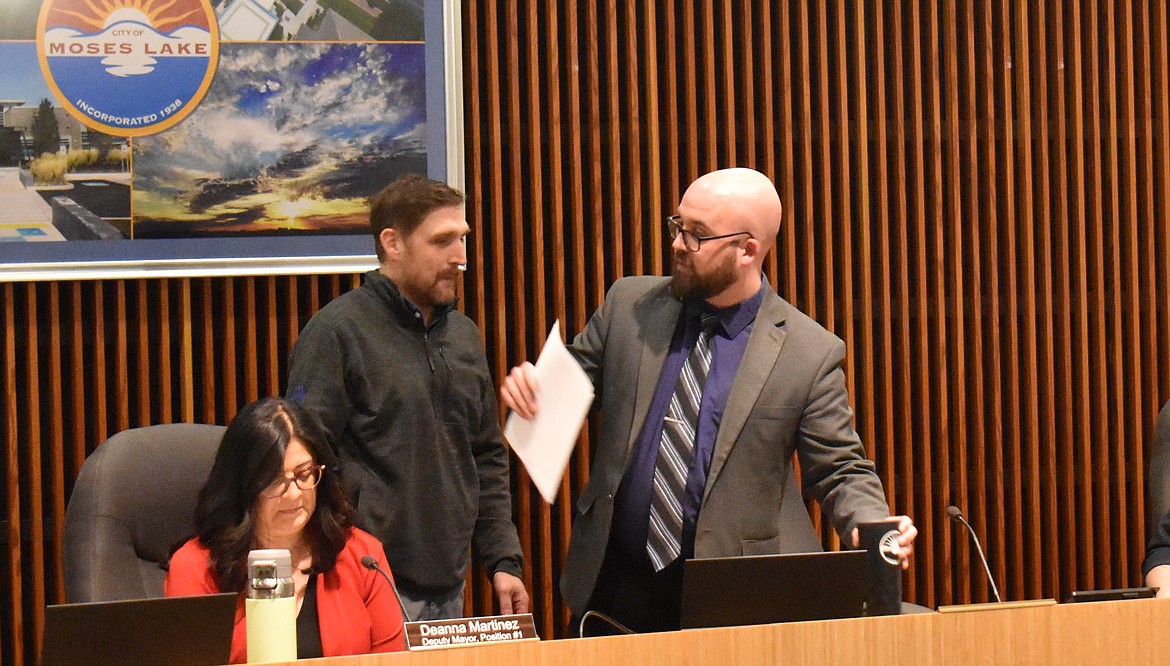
{"x": 370, "y": 563}
{"x": 957, "y": 516}
{"x": 605, "y": 618}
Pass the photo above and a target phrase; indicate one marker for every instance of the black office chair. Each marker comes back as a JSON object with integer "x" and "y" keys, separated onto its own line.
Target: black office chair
{"x": 133, "y": 501}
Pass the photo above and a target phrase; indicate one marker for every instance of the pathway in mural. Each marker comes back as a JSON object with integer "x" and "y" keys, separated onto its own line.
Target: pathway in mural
{"x": 24, "y": 215}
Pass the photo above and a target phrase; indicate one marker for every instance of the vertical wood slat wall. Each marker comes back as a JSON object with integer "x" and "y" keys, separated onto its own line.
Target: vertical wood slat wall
{"x": 975, "y": 200}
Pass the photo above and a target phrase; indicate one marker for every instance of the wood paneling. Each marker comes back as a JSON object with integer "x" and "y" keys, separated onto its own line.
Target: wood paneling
{"x": 975, "y": 199}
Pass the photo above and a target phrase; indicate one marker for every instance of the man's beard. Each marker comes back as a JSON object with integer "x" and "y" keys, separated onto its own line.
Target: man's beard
{"x": 445, "y": 293}
{"x": 435, "y": 293}
{"x": 687, "y": 285}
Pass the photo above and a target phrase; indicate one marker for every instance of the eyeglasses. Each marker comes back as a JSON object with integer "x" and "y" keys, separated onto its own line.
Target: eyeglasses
{"x": 692, "y": 241}
{"x": 306, "y": 479}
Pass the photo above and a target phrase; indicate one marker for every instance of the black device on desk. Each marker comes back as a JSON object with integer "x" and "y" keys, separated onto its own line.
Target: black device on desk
{"x": 1116, "y": 594}
{"x": 178, "y": 631}
{"x": 762, "y": 589}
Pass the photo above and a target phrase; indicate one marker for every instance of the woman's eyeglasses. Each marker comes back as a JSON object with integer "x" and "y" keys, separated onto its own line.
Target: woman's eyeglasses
{"x": 306, "y": 479}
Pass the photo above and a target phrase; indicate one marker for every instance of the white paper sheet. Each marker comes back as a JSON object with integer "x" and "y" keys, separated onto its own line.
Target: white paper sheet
{"x": 545, "y": 443}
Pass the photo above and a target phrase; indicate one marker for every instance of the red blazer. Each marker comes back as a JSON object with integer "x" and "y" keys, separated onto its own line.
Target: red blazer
{"x": 357, "y": 610}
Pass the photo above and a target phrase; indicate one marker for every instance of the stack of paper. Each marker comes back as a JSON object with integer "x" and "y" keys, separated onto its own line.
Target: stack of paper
{"x": 545, "y": 443}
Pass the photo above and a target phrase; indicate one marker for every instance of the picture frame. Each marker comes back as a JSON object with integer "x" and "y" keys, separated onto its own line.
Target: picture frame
{"x": 199, "y": 253}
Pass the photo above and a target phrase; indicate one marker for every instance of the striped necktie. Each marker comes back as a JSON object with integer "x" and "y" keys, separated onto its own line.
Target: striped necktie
{"x": 676, "y": 452}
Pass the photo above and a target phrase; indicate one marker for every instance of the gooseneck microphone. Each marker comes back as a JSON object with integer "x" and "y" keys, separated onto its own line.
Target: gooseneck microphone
{"x": 370, "y": 563}
{"x": 957, "y": 516}
{"x": 604, "y": 618}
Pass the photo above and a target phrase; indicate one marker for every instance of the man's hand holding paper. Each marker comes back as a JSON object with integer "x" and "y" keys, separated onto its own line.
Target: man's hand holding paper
{"x": 543, "y": 439}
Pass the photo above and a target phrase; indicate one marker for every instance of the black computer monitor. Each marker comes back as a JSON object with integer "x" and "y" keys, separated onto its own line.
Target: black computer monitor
{"x": 178, "y": 631}
{"x": 762, "y": 589}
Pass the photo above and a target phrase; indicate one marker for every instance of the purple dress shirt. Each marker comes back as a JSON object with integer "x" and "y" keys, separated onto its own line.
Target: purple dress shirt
{"x": 632, "y": 503}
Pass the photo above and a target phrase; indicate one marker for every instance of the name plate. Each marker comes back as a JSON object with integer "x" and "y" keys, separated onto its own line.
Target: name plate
{"x": 434, "y": 634}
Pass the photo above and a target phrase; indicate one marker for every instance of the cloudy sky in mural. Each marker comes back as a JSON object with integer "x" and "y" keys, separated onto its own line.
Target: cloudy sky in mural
{"x": 290, "y": 139}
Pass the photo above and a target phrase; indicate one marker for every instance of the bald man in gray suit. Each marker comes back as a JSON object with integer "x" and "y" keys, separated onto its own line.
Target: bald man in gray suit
{"x": 709, "y": 382}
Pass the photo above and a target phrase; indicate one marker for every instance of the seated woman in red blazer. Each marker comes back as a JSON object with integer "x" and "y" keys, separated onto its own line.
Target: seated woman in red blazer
{"x": 274, "y": 484}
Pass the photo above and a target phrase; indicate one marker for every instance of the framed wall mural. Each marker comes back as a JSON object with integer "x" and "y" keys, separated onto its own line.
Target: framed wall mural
{"x": 212, "y": 137}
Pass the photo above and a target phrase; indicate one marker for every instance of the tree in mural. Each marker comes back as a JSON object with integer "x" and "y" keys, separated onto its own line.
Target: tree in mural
{"x": 102, "y": 141}
{"x": 46, "y": 133}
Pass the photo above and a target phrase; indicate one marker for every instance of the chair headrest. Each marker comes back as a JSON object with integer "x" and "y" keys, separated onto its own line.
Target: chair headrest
{"x": 148, "y": 479}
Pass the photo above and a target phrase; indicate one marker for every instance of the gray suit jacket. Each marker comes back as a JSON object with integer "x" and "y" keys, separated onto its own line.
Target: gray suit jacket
{"x": 788, "y": 396}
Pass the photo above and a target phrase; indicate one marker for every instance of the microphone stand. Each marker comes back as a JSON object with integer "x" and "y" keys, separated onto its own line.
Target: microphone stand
{"x": 957, "y": 516}
{"x": 604, "y": 618}
{"x": 370, "y": 563}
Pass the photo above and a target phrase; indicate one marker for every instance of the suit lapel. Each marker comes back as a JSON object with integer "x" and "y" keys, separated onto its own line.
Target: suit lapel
{"x": 656, "y": 317}
{"x": 759, "y": 358}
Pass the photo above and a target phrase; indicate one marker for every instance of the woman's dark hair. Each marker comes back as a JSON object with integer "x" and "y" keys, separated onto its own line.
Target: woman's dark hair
{"x": 250, "y": 457}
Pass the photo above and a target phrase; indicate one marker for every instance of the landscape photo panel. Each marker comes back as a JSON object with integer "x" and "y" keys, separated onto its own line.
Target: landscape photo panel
{"x": 290, "y": 139}
{"x": 215, "y": 137}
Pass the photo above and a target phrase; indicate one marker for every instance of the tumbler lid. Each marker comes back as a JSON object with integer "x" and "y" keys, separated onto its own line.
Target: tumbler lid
{"x": 278, "y": 557}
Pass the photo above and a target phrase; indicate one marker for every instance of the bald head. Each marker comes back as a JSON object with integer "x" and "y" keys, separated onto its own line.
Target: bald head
{"x": 738, "y": 199}
{"x": 722, "y": 208}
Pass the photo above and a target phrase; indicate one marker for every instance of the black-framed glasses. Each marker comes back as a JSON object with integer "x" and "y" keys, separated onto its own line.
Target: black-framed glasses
{"x": 306, "y": 478}
{"x": 691, "y": 240}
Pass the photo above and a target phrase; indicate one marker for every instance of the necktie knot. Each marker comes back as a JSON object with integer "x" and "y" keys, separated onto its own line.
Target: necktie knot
{"x": 708, "y": 323}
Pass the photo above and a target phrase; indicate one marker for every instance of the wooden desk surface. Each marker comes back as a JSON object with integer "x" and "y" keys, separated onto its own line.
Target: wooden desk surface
{"x": 1116, "y": 632}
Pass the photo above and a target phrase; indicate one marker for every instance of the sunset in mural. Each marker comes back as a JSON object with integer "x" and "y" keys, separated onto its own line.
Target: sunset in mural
{"x": 90, "y": 16}
{"x": 290, "y": 140}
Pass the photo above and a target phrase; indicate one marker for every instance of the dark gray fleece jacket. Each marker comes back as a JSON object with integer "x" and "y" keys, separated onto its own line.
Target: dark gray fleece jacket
{"x": 412, "y": 413}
